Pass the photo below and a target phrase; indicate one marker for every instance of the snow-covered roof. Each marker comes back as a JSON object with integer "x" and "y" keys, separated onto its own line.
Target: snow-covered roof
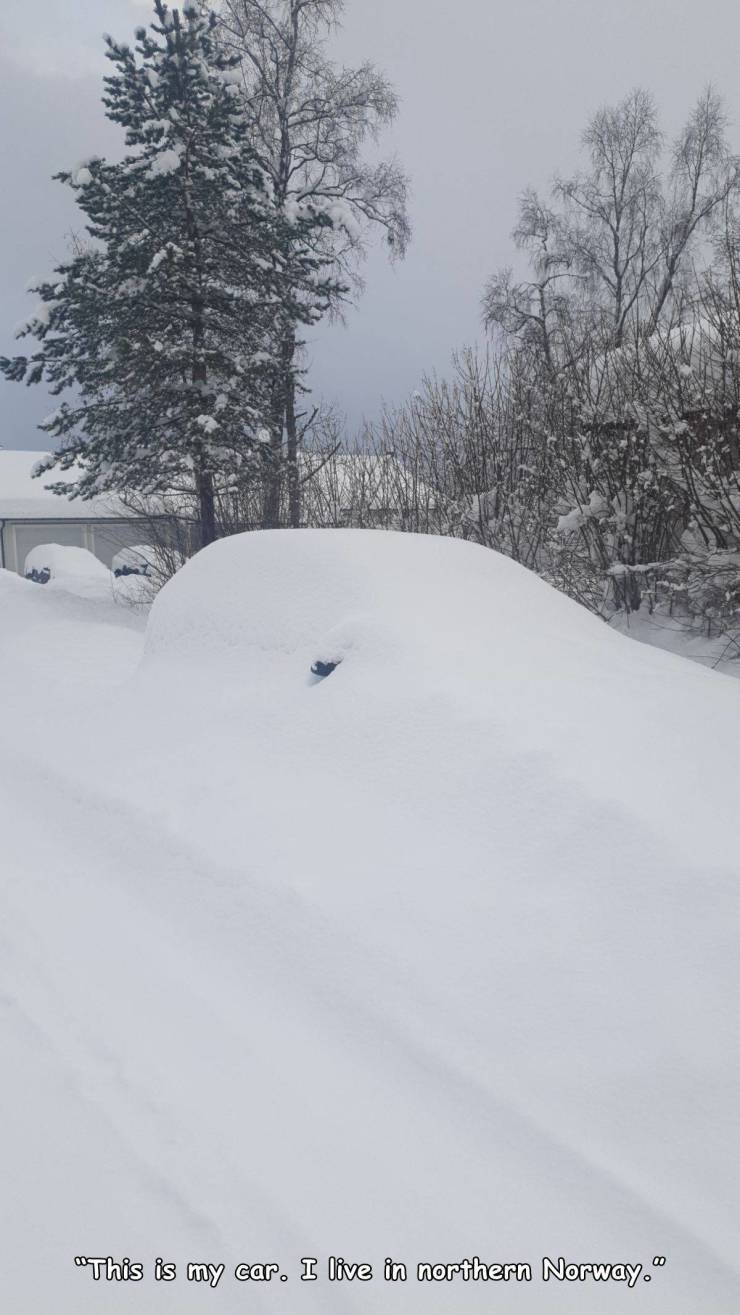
{"x": 24, "y": 498}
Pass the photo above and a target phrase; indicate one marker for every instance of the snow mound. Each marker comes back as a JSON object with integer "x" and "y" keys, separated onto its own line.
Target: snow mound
{"x": 73, "y": 569}
{"x": 54, "y": 639}
{"x": 433, "y": 619}
{"x": 66, "y": 562}
{"x": 136, "y": 591}
{"x": 293, "y": 592}
{"x": 139, "y": 559}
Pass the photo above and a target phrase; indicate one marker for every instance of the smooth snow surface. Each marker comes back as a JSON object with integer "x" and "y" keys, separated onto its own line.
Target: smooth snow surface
{"x": 432, "y": 959}
{"x": 676, "y": 635}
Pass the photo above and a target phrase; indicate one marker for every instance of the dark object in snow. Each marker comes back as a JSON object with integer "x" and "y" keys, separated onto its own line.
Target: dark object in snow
{"x": 39, "y": 577}
{"x": 324, "y": 668}
{"x": 131, "y": 570}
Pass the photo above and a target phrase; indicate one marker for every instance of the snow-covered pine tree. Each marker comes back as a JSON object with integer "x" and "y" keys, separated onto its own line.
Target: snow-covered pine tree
{"x": 164, "y": 323}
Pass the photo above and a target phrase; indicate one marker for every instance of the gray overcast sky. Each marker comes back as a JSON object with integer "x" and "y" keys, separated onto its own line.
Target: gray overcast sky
{"x": 494, "y": 96}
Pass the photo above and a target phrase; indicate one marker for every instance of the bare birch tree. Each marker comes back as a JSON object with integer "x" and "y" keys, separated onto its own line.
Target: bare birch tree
{"x": 312, "y": 121}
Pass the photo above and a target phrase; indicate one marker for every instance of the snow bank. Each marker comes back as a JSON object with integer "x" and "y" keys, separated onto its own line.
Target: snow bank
{"x": 56, "y": 643}
{"x": 677, "y": 634}
{"x": 432, "y": 959}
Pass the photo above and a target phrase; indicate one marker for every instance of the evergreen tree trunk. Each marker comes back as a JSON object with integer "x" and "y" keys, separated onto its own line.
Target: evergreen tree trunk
{"x": 271, "y": 502}
{"x": 294, "y": 481}
{"x": 285, "y": 430}
{"x": 291, "y": 431}
{"x": 207, "y": 509}
{"x": 272, "y": 480}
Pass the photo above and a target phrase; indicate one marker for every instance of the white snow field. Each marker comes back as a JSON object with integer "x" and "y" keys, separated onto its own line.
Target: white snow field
{"x": 434, "y": 959}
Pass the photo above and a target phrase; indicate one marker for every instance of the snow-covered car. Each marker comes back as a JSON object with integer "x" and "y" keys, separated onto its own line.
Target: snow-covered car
{"x": 139, "y": 560}
{"x": 74, "y": 569}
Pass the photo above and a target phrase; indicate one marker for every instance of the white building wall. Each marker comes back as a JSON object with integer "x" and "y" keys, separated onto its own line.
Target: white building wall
{"x": 10, "y": 549}
{"x": 26, "y": 537}
{"x": 103, "y": 539}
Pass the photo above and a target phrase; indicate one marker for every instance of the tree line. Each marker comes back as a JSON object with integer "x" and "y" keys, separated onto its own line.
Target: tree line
{"x": 596, "y": 438}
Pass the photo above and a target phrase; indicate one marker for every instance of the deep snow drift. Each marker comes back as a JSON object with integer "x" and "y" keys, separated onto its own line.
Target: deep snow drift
{"x": 434, "y": 958}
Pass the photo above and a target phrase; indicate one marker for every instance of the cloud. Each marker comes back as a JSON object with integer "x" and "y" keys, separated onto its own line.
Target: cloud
{"x": 57, "y": 120}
